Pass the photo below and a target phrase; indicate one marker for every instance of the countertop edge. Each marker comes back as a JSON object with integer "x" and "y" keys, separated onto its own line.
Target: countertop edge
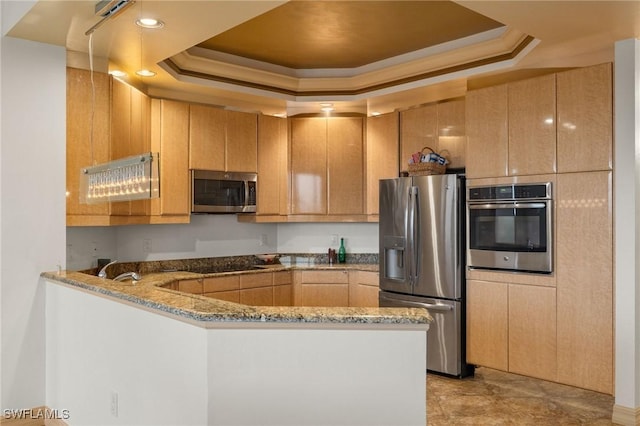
{"x": 211, "y": 313}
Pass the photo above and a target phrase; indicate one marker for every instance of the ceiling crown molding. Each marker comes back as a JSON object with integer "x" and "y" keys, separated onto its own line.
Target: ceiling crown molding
{"x": 494, "y": 49}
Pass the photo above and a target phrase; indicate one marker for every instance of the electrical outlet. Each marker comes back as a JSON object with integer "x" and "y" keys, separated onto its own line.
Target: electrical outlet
{"x": 114, "y": 404}
{"x": 334, "y": 239}
{"x": 146, "y": 245}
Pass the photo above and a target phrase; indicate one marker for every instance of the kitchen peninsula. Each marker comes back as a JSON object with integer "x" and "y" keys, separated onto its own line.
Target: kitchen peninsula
{"x": 135, "y": 350}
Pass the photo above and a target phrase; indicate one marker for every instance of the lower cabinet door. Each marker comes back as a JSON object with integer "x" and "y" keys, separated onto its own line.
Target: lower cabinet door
{"x": 532, "y": 331}
{"x": 487, "y": 324}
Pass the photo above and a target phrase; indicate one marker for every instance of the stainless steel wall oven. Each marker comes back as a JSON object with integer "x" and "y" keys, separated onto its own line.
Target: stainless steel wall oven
{"x": 510, "y": 227}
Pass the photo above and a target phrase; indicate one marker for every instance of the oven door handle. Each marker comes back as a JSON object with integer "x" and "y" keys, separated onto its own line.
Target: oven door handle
{"x": 494, "y": 206}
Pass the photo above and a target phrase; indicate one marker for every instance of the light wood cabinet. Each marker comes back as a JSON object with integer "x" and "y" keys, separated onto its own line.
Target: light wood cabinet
{"x": 130, "y": 135}
{"x": 381, "y": 155}
{"x": 242, "y": 142}
{"x": 206, "y": 137}
{"x": 87, "y": 141}
{"x": 327, "y": 166}
{"x": 487, "y": 135}
{"x": 532, "y": 331}
{"x": 584, "y": 253}
{"x": 222, "y": 140}
{"x": 321, "y": 288}
{"x": 512, "y": 327}
{"x": 452, "y": 135}
{"x": 272, "y": 166}
{"x": 585, "y": 117}
{"x": 364, "y": 287}
{"x": 488, "y": 324}
{"x": 308, "y": 166}
{"x": 283, "y": 288}
{"x": 170, "y": 137}
{"x": 418, "y": 129}
{"x": 532, "y": 126}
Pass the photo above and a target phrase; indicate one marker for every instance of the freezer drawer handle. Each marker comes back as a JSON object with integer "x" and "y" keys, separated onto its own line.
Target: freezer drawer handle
{"x": 426, "y": 305}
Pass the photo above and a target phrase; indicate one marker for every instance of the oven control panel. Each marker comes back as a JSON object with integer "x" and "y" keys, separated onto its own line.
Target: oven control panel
{"x": 516, "y": 191}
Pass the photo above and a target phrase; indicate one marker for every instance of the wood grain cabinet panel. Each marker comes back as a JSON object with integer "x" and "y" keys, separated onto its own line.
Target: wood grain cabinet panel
{"x": 87, "y": 144}
{"x": 222, "y": 140}
{"x": 585, "y": 117}
{"x": 327, "y": 165}
{"x": 214, "y": 284}
{"x": 308, "y": 166}
{"x": 272, "y": 165}
{"x": 241, "y": 141}
{"x": 532, "y": 331}
{"x": 321, "y": 288}
{"x": 487, "y": 324}
{"x": 418, "y": 129}
{"x": 260, "y": 296}
{"x": 363, "y": 289}
{"x": 170, "y": 137}
{"x": 345, "y": 165}
{"x": 452, "y": 135}
{"x": 206, "y": 137}
{"x": 381, "y": 155}
{"x": 532, "y": 126}
{"x": 487, "y": 135}
{"x": 193, "y": 286}
{"x": 585, "y": 280}
{"x": 283, "y": 288}
{"x": 130, "y": 135}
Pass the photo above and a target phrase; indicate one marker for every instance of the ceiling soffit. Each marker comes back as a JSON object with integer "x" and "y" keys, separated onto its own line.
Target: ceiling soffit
{"x": 493, "y": 49}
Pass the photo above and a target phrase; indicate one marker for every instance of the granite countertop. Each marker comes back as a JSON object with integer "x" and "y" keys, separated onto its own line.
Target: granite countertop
{"x": 208, "y": 311}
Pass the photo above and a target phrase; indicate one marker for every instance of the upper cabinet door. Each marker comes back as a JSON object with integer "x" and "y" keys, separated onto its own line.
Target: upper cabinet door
{"x": 382, "y": 155}
{"x": 170, "y": 129}
{"x": 487, "y": 136}
{"x": 585, "y": 116}
{"x": 345, "y": 165}
{"x": 242, "y": 142}
{"x": 308, "y": 166}
{"x": 418, "y": 129}
{"x": 532, "y": 126}
{"x": 206, "y": 137}
{"x": 87, "y": 140}
{"x": 452, "y": 136}
{"x": 272, "y": 163}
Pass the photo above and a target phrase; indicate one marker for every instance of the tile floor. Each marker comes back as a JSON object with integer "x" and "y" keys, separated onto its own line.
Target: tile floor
{"x": 493, "y": 397}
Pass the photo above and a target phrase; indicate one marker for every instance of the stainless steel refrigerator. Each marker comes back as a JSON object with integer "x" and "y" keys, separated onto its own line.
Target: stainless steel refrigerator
{"x": 422, "y": 260}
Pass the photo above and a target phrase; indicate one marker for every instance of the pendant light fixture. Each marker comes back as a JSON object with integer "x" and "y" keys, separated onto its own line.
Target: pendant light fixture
{"x": 131, "y": 178}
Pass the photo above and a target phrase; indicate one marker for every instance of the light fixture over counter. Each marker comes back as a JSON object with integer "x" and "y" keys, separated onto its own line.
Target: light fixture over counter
{"x": 131, "y": 178}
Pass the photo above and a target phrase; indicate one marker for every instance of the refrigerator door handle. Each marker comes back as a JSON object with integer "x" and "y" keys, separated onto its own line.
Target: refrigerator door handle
{"x": 410, "y": 234}
{"x": 410, "y": 303}
{"x": 417, "y": 243}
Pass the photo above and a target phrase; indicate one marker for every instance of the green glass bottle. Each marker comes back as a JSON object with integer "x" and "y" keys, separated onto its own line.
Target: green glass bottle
{"x": 342, "y": 253}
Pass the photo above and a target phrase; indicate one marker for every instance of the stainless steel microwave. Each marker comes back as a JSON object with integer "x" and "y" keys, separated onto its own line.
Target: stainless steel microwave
{"x": 223, "y": 192}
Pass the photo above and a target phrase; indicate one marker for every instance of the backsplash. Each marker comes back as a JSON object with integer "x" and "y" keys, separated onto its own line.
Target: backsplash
{"x": 226, "y": 263}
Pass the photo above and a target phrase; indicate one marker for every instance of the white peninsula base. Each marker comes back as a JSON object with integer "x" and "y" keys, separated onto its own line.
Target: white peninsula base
{"x": 114, "y": 363}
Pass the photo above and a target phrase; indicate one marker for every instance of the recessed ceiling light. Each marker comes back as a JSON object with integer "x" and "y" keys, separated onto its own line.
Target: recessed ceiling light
{"x": 117, "y": 73}
{"x": 326, "y": 107}
{"x": 149, "y": 23}
{"x": 145, "y": 73}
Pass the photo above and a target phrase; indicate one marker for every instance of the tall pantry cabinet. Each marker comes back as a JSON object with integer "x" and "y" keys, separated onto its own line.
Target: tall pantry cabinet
{"x": 557, "y": 128}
